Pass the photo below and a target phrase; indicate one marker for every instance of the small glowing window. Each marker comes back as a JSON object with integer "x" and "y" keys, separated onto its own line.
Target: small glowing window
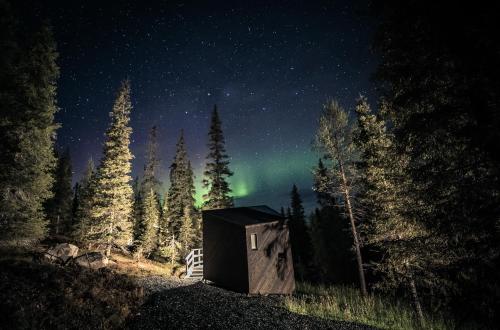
{"x": 253, "y": 241}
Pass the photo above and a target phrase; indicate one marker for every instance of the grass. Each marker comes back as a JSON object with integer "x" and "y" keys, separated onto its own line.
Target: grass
{"x": 125, "y": 264}
{"x": 343, "y": 303}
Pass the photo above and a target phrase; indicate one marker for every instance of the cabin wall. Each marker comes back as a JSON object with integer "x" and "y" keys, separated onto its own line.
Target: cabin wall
{"x": 224, "y": 254}
{"x": 270, "y": 267}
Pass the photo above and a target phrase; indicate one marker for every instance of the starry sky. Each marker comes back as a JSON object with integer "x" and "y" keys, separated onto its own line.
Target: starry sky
{"x": 269, "y": 66}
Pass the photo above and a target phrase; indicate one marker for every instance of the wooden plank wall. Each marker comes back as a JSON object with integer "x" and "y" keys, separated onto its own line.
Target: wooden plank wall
{"x": 224, "y": 254}
{"x": 270, "y": 267}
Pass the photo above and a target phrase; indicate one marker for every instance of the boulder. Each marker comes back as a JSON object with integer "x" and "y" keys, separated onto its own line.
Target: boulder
{"x": 61, "y": 252}
{"x": 94, "y": 260}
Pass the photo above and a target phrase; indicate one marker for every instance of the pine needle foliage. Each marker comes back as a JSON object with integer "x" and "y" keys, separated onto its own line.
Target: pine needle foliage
{"x": 217, "y": 169}
{"x": 148, "y": 226}
{"x": 82, "y": 226}
{"x": 113, "y": 196}
{"x": 181, "y": 191}
{"x": 58, "y": 208}
{"x": 28, "y": 74}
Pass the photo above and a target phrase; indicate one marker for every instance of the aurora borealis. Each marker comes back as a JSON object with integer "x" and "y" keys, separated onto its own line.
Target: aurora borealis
{"x": 269, "y": 67}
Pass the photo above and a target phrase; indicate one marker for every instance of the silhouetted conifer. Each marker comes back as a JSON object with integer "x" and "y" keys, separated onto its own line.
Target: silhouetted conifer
{"x": 217, "y": 169}
{"x": 60, "y": 205}
{"x": 28, "y": 74}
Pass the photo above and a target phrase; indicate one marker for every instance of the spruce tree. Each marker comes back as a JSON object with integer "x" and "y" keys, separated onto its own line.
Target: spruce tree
{"x": 28, "y": 74}
{"x": 163, "y": 224}
{"x": 74, "y": 203}
{"x": 148, "y": 200}
{"x": 388, "y": 226}
{"x": 299, "y": 235}
{"x": 181, "y": 191}
{"x": 113, "y": 197}
{"x": 82, "y": 224}
{"x": 60, "y": 205}
{"x": 167, "y": 243}
{"x": 187, "y": 231}
{"x": 217, "y": 168}
{"x": 136, "y": 207}
{"x": 151, "y": 167}
{"x": 148, "y": 226}
{"x": 334, "y": 138}
{"x": 322, "y": 185}
{"x": 444, "y": 106}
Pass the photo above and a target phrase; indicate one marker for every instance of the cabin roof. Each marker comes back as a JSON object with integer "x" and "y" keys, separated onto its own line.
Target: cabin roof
{"x": 245, "y": 216}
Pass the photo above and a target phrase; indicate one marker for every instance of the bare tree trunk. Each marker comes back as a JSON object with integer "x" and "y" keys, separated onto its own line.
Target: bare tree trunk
{"x": 416, "y": 302}
{"x": 348, "y": 207}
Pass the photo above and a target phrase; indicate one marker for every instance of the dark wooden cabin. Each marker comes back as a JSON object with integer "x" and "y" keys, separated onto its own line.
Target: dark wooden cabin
{"x": 247, "y": 249}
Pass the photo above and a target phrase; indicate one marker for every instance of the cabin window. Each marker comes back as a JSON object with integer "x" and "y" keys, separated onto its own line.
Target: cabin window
{"x": 253, "y": 241}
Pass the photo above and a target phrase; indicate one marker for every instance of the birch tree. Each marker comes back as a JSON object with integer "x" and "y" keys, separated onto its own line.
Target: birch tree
{"x": 334, "y": 138}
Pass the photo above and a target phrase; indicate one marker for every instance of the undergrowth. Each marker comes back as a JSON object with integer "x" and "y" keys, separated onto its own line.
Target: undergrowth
{"x": 344, "y": 303}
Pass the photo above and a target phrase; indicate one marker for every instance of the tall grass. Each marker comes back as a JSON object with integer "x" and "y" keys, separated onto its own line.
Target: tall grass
{"x": 347, "y": 304}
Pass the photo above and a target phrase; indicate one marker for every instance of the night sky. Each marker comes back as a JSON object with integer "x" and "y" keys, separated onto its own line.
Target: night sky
{"x": 269, "y": 69}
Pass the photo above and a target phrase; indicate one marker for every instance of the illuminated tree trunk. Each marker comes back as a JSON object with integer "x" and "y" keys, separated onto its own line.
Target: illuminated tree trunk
{"x": 416, "y": 301}
{"x": 335, "y": 139}
{"x": 350, "y": 214}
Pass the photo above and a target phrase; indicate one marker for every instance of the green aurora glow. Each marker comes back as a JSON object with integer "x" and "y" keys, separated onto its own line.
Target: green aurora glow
{"x": 253, "y": 178}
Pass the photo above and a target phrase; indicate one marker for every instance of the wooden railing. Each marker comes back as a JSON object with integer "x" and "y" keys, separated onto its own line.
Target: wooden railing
{"x": 194, "y": 259}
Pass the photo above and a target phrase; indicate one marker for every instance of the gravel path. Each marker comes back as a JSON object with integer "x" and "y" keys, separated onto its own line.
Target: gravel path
{"x": 183, "y": 304}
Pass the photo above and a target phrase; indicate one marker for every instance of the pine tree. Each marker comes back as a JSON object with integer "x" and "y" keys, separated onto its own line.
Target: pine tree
{"x": 148, "y": 227}
{"x": 172, "y": 249}
{"x": 181, "y": 191}
{"x": 82, "y": 224}
{"x": 388, "y": 224}
{"x": 169, "y": 246}
{"x": 163, "y": 223}
{"x": 187, "y": 231}
{"x": 217, "y": 168}
{"x": 147, "y": 200}
{"x": 151, "y": 167}
{"x": 136, "y": 207}
{"x": 113, "y": 198}
{"x": 28, "y": 74}
{"x": 334, "y": 137}
{"x": 59, "y": 206}
{"x": 444, "y": 104}
{"x": 74, "y": 203}
{"x": 322, "y": 185}
{"x": 299, "y": 235}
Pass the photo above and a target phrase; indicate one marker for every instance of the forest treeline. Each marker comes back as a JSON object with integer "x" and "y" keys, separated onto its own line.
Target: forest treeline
{"x": 106, "y": 208}
{"x": 416, "y": 182}
{"x": 408, "y": 192}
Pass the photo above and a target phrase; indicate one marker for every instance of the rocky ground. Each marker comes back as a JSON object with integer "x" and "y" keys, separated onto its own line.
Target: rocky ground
{"x": 182, "y": 304}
